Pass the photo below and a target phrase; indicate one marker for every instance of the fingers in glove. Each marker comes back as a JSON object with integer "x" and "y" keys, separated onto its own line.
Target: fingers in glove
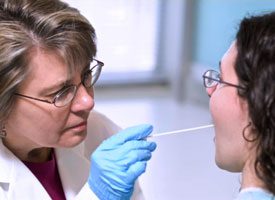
{"x": 133, "y": 133}
{"x": 137, "y": 144}
{"x": 136, "y": 170}
{"x": 132, "y": 157}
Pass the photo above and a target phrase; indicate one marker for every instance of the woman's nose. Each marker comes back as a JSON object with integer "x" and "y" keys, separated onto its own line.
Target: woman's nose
{"x": 83, "y": 100}
{"x": 210, "y": 90}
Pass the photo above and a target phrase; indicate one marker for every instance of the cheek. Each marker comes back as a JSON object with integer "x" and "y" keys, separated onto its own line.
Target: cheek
{"x": 37, "y": 124}
{"x": 222, "y": 109}
{"x": 226, "y": 109}
{"x": 229, "y": 120}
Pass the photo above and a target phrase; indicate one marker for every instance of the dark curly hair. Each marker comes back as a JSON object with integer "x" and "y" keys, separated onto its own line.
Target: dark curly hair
{"x": 255, "y": 68}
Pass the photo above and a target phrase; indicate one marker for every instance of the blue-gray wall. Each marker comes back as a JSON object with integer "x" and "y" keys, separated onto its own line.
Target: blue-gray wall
{"x": 216, "y": 22}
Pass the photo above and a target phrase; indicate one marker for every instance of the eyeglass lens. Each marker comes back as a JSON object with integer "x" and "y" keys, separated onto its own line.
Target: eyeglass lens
{"x": 89, "y": 79}
{"x": 211, "y": 78}
{"x": 65, "y": 96}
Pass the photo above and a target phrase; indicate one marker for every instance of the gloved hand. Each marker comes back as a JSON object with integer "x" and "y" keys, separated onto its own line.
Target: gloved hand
{"x": 119, "y": 161}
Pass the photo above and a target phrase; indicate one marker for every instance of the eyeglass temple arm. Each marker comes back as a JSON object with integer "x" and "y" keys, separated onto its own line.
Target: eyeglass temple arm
{"x": 28, "y": 97}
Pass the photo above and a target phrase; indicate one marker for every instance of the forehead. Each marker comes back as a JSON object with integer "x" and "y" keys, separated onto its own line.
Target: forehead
{"x": 45, "y": 68}
{"x": 228, "y": 60}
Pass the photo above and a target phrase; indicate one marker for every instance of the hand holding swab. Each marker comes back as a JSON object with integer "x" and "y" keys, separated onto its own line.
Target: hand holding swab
{"x": 181, "y": 131}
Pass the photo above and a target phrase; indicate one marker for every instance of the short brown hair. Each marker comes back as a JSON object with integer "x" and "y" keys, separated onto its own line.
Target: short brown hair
{"x": 51, "y": 25}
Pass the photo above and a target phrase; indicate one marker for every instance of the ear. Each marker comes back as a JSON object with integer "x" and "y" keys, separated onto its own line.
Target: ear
{"x": 3, "y": 132}
{"x": 244, "y": 109}
{"x": 249, "y": 131}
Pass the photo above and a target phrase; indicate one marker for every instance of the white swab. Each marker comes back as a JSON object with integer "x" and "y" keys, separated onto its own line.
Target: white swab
{"x": 181, "y": 131}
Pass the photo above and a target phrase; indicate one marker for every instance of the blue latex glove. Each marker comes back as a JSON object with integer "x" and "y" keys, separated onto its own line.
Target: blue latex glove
{"x": 119, "y": 161}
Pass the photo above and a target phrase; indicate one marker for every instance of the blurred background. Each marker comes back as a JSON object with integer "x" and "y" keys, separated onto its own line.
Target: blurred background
{"x": 155, "y": 52}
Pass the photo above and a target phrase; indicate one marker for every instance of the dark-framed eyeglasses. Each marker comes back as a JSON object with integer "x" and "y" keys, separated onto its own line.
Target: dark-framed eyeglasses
{"x": 211, "y": 78}
{"x": 67, "y": 94}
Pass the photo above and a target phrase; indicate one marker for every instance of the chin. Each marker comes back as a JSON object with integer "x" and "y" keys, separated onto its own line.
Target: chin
{"x": 74, "y": 140}
{"x": 227, "y": 165}
{"x": 218, "y": 163}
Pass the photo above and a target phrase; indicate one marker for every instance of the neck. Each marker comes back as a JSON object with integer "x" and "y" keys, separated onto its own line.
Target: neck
{"x": 37, "y": 155}
{"x": 250, "y": 178}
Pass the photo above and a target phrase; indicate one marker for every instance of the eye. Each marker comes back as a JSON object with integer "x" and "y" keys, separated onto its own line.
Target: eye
{"x": 54, "y": 94}
{"x": 219, "y": 77}
{"x": 87, "y": 78}
{"x": 85, "y": 70}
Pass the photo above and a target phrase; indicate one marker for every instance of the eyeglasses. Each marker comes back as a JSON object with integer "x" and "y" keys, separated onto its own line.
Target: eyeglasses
{"x": 67, "y": 94}
{"x": 211, "y": 78}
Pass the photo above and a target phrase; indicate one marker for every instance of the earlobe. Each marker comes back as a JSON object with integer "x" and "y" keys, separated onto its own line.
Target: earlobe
{"x": 3, "y": 132}
{"x": 249, "y": 132}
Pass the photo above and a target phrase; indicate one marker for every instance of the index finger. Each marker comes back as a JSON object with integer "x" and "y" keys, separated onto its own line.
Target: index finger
{"x": 132, "y": 133}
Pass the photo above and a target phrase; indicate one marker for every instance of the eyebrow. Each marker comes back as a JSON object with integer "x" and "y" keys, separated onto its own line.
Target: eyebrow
{"x": 55, "y": 87}
{"x": 59, "y": 85}
{"x": 220, "y": 68}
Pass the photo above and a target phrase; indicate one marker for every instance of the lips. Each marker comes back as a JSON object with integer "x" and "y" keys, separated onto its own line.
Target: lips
{"x": 79, "y": 127}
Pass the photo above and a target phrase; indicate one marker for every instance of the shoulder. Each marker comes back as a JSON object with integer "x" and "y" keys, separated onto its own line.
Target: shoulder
{"x": 254, "y": 194}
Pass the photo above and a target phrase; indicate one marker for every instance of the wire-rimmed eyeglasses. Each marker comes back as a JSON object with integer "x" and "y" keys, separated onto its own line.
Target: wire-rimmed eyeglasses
{"x": 211, "y": 78}
{"x": 67, "y": 94}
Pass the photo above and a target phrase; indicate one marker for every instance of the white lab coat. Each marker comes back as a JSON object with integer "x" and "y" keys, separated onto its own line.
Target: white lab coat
{"x": 18, "y": 182}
